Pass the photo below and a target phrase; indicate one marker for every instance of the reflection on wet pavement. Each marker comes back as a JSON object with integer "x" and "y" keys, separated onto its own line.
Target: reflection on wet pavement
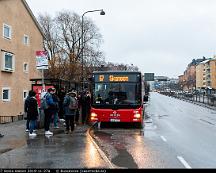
{"x": 59, "y": 151}
{"x": 115, "y": 146}
{"x": 131, "y": 148}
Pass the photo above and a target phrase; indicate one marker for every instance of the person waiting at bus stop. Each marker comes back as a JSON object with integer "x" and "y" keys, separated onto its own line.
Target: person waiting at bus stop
{"x": 49, "y": 111}
{"x": 61, "y": 96}
{"x": 70, "y": 107}
{"x": 27, "y": 115}
{"x": 86, "y": 106}
{"x": 56, "y": 109}
{"x": 32, "y": 112}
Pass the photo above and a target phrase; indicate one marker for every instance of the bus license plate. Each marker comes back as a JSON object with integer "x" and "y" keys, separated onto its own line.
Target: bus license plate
{"x": 114, "y": 120}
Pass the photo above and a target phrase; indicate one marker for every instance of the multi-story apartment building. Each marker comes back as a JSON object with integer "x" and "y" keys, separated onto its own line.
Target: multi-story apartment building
{"x": 20, "y": 38}
{"x": 187, "y": 81}
{"x": 199, "y": 75}
{"x": 209, "y": 74}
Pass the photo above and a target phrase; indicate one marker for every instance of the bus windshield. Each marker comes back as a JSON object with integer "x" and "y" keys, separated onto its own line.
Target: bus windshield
{"x": 124, "y": 94}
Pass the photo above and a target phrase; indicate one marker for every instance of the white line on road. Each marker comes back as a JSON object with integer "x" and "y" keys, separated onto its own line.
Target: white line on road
{"x": 163, "y": 138}
{"x": 182, "y": 160}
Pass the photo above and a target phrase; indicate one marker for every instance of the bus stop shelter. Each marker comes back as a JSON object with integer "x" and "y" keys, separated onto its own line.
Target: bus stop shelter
{"x": 58, "y": 84}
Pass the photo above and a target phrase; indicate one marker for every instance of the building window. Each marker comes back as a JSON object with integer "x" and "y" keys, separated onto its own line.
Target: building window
{"x": 26, "y": 40}
{"x": 25, "y": 94}
{"x": 6, "y": 94}
{"x": 7, "y": 31}
{"x": 8, "y": 62}
{"x": 25, "y": 67}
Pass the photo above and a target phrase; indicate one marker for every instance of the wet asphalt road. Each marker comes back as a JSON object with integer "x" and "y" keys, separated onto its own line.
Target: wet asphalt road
{"x": 189, "y": 129}
{"x": 62, "y": 150}
{"x": 177, "y": 134}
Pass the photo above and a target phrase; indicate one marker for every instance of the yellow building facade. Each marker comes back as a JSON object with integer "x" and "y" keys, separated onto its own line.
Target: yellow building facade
{"x": 206, "y": 74}
{"x": 21, "y": 37}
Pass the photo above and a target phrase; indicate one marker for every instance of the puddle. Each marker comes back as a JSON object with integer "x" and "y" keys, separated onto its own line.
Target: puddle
{"x": 123, "y": 157}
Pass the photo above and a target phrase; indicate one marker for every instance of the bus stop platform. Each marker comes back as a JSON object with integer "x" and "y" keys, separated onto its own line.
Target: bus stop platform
{"x": 66, "y": 151}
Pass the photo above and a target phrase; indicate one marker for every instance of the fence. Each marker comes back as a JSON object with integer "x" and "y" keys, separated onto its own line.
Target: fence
{"x": 9, "y": 119}
{"x": 200, "y": 98}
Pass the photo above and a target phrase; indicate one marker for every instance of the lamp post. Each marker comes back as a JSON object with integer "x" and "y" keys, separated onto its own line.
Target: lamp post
{"x": 101, "y": 13}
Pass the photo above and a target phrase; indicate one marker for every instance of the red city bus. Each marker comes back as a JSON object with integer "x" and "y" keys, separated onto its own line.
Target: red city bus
{"x": 117, "y": 97}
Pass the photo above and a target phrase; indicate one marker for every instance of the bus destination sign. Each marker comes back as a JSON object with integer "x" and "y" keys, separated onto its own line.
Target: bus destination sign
{"x": 115, "y": 78}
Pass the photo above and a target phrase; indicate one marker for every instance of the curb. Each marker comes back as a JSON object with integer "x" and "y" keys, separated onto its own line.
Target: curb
{"x": 102, "y": 154}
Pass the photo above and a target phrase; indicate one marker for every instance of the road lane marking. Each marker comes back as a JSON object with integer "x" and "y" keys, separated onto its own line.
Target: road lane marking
{"x": 163, "y": 138}
{"x": 182, "y": 160}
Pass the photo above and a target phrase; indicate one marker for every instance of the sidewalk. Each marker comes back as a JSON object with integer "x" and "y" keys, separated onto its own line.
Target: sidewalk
{"x": 61, "y": 150}
{"x": 14, "y": 136}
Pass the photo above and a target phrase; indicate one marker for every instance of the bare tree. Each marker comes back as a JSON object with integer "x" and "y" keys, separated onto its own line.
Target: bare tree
{"x": 121, "y": 67}
{"x": 63, "y": 42}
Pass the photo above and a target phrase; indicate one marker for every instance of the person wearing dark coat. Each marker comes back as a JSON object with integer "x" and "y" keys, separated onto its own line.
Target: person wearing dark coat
{"x": 55, "y": 115}
{"x": 27, "y": 117}
{"x": 86, "y": 106}
{"x": 25, "y": 110}
{"x": 32, "y": 112}
{"x": 61, "y": 96}
{"x": 77, "y": 116}
{"x": 69, "y": 113}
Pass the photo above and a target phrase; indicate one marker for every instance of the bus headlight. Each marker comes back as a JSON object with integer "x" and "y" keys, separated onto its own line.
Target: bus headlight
{"x": 94, "y": 116}
{"x": 137, "y": 115}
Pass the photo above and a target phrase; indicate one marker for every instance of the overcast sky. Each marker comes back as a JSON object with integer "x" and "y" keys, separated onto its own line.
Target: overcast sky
{"x": 160, "y": 36}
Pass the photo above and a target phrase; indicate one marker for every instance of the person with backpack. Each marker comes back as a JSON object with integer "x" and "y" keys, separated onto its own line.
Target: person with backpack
{"x": 70, "y": 106}
{"x": 32, "y": 112}
{"x": 55, "y": 115}
{"x": 49, "y": 107}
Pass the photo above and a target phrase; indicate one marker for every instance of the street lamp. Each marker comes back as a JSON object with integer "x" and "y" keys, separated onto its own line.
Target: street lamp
{"x": 101, "y": 13}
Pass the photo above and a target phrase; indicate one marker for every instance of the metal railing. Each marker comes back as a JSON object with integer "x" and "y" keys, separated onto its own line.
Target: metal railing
{"x": 206, "y": 99}
{"x": 10, "y": 119}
